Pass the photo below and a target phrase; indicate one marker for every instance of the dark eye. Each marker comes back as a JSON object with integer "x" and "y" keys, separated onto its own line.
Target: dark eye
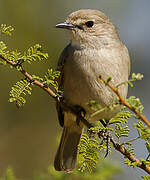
{"x": 89, "y": 23}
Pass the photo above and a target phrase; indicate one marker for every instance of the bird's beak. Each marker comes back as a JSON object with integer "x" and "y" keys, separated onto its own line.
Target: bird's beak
{"x": 65, "y": 25}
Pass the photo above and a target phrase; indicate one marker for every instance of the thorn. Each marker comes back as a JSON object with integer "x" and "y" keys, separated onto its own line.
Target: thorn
{"x": 45, "y": 85}
{"x": 31, "y": 81}
{"x": 147, "y": 159}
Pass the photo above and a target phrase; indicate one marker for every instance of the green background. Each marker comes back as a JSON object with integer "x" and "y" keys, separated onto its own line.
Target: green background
{"x": 28, "y": 135}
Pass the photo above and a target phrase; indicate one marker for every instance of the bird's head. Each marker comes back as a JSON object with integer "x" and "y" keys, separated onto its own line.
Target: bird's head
{"x": 89, "y": 28}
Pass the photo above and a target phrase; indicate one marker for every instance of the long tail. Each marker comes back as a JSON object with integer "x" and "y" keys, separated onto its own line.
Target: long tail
{"x": 66, "y": 156}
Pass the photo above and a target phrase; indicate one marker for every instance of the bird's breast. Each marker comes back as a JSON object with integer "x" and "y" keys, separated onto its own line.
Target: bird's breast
{"x": 81, "y": 77}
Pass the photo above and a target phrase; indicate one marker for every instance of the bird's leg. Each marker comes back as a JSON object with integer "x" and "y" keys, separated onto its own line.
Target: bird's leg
{"x": 81, "y": 113}
{"x": 107, "y": 144}
{"x": 60, "y": 111}
{"x": 106, "y": 137}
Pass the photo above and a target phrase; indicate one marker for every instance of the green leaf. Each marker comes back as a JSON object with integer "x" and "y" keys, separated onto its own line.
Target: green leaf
{"x": 108, "y": 80}
{"x": 130, "y": 83}
{"x": 135, "y": 103}
{"x": 33, "y": 54}
{"x": 137, "y": 76}
{"x": 131, "y": 164}
{"x": 143, "y": 131}
{"x": 146, "y": 177}
{"x": 2, "y": 46}
{"x": 19, "y": 91}
{"x": 120, "y": 117}
{"x": 88, "y": 153}
{"x": 9, "y": 175}
{"x": 50, "y": 78}
{"x": 121, "y": 131}
{"x": 148, "y": 146}
{"x": 4, "y": 29}
{"x": 35, "y": 77}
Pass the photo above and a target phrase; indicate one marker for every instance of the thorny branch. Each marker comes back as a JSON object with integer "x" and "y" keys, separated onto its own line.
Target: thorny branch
{"x": 130, "y": 156}
{"x": 123, "y": 102}
{"x": 66, "y": 107}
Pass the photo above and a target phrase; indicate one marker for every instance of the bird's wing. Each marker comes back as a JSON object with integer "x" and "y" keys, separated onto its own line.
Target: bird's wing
{"x": 60, "y": 67}
{"x": 129, "y": 63}
{"x": 126, "y": 55}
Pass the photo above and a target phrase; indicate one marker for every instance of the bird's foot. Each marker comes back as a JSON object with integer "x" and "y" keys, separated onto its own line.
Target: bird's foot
{"x": 81, "y": 113}
{"x": 106, "y": 138}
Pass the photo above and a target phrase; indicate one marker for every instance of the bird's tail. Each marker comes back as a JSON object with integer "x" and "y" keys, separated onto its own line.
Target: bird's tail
{"x": 66, "y": 156}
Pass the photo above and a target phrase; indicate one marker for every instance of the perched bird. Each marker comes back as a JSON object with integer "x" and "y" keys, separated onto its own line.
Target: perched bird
{"x": 94, "y": 50}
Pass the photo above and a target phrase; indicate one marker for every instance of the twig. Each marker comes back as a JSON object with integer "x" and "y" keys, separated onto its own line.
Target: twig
{"x": 73, "y": 110}
{"x": 28, "y": 76}
{"x": 124, "y": 152}
{"x": 130, "y": 156}
{"x": 123, "y": 102}
{"x": 134, "y": 139}
{"x": 64, "y": 105}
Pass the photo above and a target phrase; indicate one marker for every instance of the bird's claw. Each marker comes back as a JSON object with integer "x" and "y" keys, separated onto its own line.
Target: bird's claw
{"x": 106, "y": 138}
{"x": 81, "y": 113}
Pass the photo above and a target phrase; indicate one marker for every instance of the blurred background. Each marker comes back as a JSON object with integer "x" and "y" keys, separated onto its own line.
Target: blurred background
{"x": 28, "y": 135}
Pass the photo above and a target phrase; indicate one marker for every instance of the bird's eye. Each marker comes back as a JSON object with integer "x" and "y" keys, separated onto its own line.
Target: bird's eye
{"x": 89, "y": 23}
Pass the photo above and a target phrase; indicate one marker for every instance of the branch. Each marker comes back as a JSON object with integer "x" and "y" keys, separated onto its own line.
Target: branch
{"x": 124, "y": 152}
{"x": 130, "y": 156}
{"x": 123, "y": 102}
{"x": 63, "y": 104}
{"x": 28, "y": 76}
{"x": 74, "y": 111}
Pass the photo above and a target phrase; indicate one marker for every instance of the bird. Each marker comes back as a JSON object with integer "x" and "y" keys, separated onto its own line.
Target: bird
{"x": 94, "y": 50}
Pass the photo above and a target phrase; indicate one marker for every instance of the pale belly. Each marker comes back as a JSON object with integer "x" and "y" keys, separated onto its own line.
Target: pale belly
{"x": 82, "y": 85}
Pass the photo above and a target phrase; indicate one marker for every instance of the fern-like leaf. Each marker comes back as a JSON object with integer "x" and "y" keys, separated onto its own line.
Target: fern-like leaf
{"x": 121, "y": 131}
{"x": 2, "y": 50}
{"x": 88, "y": 153}
{"x": 136, "y": 103}
{"x": 120, "y": 120}
{"x": 35, "y": 77}
{"x": 33, "y": 54}
{"x": 4, "y": 29}
{"x": 19, "y": 91}
{"x": 120, "y": 117}
{"x": 130, "y": 164}
{"x": 2, "y": 46}
{"x": 143, "y": 131}
{"x": 51, "y": 79}
{"x": 146, "y": 177}
{"x": 135, "y": 77}
{"x": 129, "y": 148}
